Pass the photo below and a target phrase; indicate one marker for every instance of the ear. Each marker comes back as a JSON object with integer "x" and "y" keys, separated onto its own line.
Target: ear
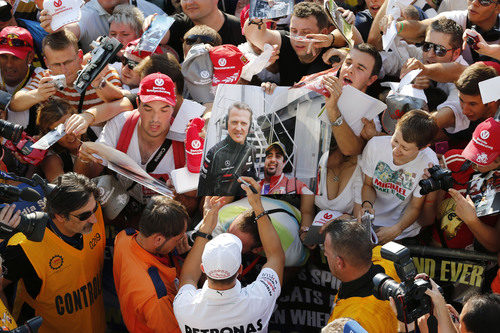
{"x": 324, "y": 31}
{"x": 30, "y": 57}
{"x": 372, "y": 79}
{"x": 257, "y": 250}
{"x": 240, "y": 270}
{"x": 158, "y": 239}
{"x": 456, "y": 54}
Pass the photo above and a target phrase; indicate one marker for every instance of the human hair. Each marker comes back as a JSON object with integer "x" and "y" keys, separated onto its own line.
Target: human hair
{"x": 449, "y": 27}
{"x": 163, "y": 216}
{"x": 411, "y": 13}
{"x": 336, "y": 326}
{"x": 371, "y": 50}
{"x": 246, "y": 223}
{"x": 165, "y": 64}
{"x": 468, "y": 82}
{"x": 418, "y": 127}
{"x": 482, "y": 313}
{"x": 72, "y": 192}
{"x": 60, "y": 40}
{"x": 52, "y": 111}
{"x": 239, "y": 106}
{"x": 128, "y": 15}
{"x": 223, "y": 282}
{"x": 351, "y": 241}
{"x": 306, "y": 9}
{"x": 205, "y": 30}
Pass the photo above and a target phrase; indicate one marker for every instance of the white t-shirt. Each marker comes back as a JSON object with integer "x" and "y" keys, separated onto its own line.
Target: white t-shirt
{"x": 344, "y": 202}
{"x": 110, "y": 135}
{"x": 395, "y": 185}
{"x": 237, "y": 309}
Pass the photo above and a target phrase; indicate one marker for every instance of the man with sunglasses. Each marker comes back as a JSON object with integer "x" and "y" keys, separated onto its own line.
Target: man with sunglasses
{"x": 61, "y": 275}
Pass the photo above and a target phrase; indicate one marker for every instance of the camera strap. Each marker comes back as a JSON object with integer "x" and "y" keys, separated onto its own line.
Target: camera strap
{"x": 432, "y": 323}
{"x": 151, "y": 166}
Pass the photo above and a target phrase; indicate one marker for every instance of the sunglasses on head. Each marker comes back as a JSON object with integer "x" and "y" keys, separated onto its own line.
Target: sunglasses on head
{"x": 439, "y": 50}
{"x": 13, "y": 42}
{"x": 86, "y": 215}
{"x": 130, "y": 63}
{"x": 193, "y": 39}
{"x": 486, "y": 2}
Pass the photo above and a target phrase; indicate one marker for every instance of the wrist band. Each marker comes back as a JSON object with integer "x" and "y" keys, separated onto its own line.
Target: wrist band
{"x": 261, "y": 215}
{"x": 90, "y": 113}
{"x": 333, "y": 40}
{"x": 400, "y": 29}
{"x": 368, "y": 202}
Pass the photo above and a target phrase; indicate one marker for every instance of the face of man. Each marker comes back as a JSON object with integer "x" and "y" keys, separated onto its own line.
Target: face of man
{"x": 197, "y": 10}
{"x": 76, "y": 221}
{"x": 130, "y": 77}
{"x": 155, "y": 118}
{"x": 247, "y": 241}
{"x": 473, "y": 107}
{"x": 301, "y": 27}
{"x": 373, "y": 6}
{"x": 274, "y": 163}
{"x": 109, "y": 5}
{"x": 238, "y": 125}
{"x": 170, "y": 244}
{"x": 402, "y": 151}
{"x": 477, "y": 13}
{"x": 67, "y": 61}
{"x": 356, "y": 70}
{"x": 443, "y": 40}
{"x": 124, "y": 33}
{"x": 14, "y": 69}
{"x": 486, "y": 168}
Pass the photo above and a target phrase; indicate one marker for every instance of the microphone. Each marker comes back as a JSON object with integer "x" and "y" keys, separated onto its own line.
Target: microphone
{"x": 9, "y": 193}
{"x": 30, "y": 194}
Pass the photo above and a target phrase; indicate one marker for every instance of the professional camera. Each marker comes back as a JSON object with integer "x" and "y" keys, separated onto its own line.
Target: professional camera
{"x": 59, "y": 81}
{"x": 440, "y": 179}
{"x": 105, "y": 48}
{"x": 18, "y": 141}
{"x": 409, "y": 295}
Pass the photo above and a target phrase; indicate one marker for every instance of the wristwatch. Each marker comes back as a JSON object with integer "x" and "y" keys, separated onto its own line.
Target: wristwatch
{"x": 338, "y": 122}
{"x": 202, "y": 234}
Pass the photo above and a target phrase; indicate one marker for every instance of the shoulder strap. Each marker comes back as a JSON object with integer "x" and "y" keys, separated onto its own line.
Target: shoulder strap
{"x": 179, "y": 154}
{"x": 161, "y": 289}
{"x": 127, "y": 131}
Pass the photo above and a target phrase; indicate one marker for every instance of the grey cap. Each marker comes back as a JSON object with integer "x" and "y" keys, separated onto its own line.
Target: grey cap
{"x": 197, "y": 69}
{"x": 397, "y": 106}
{"x": 112, "y": 195}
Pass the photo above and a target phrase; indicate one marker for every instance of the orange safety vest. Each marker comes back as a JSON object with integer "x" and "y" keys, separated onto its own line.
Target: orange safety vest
{"x": 6, "y": 320}
{"x": 70, "y": 298}
{"x": 146, "y": 287}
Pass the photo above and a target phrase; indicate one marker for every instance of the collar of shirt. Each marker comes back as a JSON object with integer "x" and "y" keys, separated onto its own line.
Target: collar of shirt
{"x": 208, "y": 292}
{"x": 362, "y": 286}
{"x": 76, "y": 240}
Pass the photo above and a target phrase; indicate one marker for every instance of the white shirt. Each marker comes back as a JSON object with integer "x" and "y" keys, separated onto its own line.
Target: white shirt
{"x": 448, "y": 5}
{"x": 395, "y": 185}
{"x": 248, "y": 309}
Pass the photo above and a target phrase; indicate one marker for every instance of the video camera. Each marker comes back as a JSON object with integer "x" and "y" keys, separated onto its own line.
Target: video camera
{"x": 409, "y": 295}
{"x": 105, "y": 48}
{"x": 32, "y": 225}
{"x": 440, "y": 179}
{"x": 18, "y": 141}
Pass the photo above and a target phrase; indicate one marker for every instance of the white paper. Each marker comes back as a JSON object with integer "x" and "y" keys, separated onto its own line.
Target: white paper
{"x": 389, "y": 36}
{"x": 354, "y": 105}
{"x": 407, "y": 90}
{"x": 188, "y": 110}
{"x": 46, "y": 141}
{"x": 490, "y": 90}
{"x": 257, "y": 64}
{"x": 184, "y": 181}
{"x": 63, "y": 12}
{"x": 408, "y": 78}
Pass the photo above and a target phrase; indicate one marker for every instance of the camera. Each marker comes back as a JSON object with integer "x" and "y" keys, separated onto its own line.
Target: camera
{"x": 105, "y": 48}
{"x": 18, "y": 141}
{"x": 472, "y": 40}
{"x": 409, "y": 295}
{"x": 440, "y": 179}
{"x": 59, "y": 81}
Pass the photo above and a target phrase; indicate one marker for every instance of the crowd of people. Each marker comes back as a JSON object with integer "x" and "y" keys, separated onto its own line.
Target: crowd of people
{"x": 89, "y": 249}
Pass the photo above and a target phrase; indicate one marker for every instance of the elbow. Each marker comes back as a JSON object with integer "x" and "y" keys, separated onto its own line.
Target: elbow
{"x": 351, "y": 151}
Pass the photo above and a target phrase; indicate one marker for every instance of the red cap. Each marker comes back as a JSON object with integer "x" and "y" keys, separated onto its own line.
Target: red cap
{"x": 16, "y": 41}
{"x": 157, "y": 87}
{"x": 134, "y": 54}
{"x": 484, "y": 147}
{"x": 493, "y": 64}
{"x": 228, "y": 62}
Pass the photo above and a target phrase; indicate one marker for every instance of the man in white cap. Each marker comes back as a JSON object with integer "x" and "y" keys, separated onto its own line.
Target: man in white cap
{"x": 222, "y": 304}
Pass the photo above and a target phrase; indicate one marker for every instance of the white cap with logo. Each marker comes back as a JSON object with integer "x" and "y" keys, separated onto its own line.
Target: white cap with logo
{"x": 221, "y": 257}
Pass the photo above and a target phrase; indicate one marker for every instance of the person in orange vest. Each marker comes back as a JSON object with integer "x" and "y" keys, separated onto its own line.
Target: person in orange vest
{"x": 146, "y": 266}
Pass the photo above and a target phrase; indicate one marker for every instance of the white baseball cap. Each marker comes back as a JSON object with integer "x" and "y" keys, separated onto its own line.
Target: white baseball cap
{"x": 221, "y": 257}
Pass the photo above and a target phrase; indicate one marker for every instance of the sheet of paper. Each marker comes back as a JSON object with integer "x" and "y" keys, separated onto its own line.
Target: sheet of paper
{"x": 184, "y": 181}
{"x": 154, "y": 34}
{"x": 63, "y": 12}
{"x": 490, "y": 89}
{"x": 407, "y": 90}
{"x": 389, "y": 36}
{"x": 46, "y": 141}
{"x": 188, "y": 110}
{"x": 408, "y": 78}
{"x": 354, "y": 105}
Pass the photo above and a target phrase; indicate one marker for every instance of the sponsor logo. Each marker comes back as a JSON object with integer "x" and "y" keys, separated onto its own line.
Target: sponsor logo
{"x": 196, "y": 144}
{"x": 328, "y": 216}
{"x": 159, "y": 82}
{"x": 56, "y": 262}
{"x": 222, "y": 62}
{"x": 58, "y": 3}
{"x": 205, "y": 74}
{"x": 482, "y": 158}
{"x": 484, "y": 135}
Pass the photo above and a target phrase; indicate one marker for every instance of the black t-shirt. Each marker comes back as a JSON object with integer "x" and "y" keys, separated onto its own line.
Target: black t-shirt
{"x": 230, "y": 31}
{"x": 290, "y": 67}
{"x": 363, "y": 23}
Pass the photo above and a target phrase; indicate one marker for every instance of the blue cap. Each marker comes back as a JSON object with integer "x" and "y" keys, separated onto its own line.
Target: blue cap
{"x": 352, "y": 326}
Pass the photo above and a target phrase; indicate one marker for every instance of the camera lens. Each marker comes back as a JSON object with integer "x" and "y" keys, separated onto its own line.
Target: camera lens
{"x": 10, "y": 131}
{"x": 428, "y": 185}
{"x": 384, "y": 287}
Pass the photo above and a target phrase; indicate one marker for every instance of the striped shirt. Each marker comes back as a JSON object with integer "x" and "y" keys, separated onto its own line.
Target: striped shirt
{"x": 71, "y": 95}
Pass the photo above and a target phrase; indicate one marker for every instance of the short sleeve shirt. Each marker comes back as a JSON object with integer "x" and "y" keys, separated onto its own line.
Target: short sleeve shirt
{"x": 205, "y": 309}
{"x": 395, "y": 185}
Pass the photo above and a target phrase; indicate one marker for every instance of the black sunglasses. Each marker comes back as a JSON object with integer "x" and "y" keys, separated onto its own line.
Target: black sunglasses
{"x": 485, "y": 2}
{"x": 130, "y": 63}
{"x": 194, "y": 39}
{"x": 16, "y": 42}
{"x": 86, "y": 215}
{"x": 440, "y": 50}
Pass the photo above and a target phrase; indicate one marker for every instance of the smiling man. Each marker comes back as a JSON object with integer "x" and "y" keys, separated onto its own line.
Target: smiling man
{"x": 392, "y": 168}
{"x": 231, "y": 158}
